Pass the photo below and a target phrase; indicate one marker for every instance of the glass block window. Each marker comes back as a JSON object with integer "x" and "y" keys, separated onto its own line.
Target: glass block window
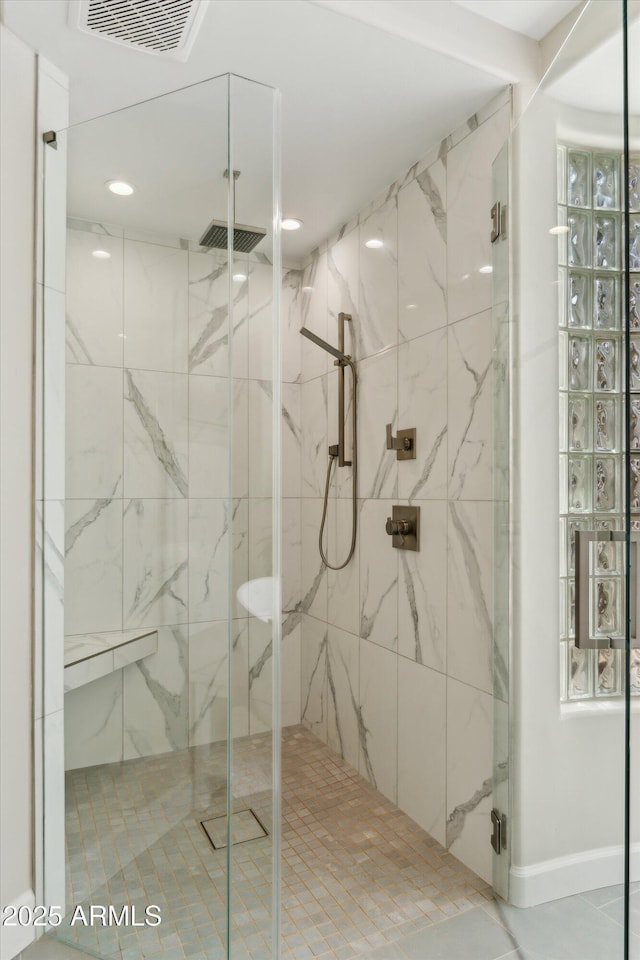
{"x": 590, "y": 238}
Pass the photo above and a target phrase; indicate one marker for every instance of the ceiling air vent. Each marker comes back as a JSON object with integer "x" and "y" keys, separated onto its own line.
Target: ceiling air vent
{"x": 162, "y": 27}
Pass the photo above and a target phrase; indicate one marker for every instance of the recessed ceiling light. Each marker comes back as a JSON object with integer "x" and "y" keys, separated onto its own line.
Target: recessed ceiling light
{"x": 556, "y": 231}
{"x": 101, "y": 254}
{"x": 290, "y": 223}
{"x": 486, "y": 269}
{"x": 412, "y": 306}
{"x": 307, "y": 289}
{"x": 239, "y": 277}
{"x": 121, "y": 187}
{"x": 374, "y": 243}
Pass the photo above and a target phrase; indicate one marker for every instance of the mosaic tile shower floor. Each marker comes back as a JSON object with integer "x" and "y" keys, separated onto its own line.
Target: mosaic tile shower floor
{"x": 357, "y": 873}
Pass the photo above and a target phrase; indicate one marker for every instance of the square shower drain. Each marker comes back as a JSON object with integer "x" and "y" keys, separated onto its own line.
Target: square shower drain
{"x": 244, "y": 826}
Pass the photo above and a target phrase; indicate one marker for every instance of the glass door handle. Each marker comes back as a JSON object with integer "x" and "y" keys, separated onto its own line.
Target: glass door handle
{"x": 583, "y": 638}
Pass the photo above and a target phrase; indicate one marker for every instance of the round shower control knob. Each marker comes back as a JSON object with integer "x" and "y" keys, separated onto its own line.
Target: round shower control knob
{"x": 399, "y": 528}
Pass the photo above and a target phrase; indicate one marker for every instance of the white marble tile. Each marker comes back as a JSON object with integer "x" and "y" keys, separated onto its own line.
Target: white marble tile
{"x": 291, "y": 666}
{"x": 377, "y": 406}
{"x": 260, "y": 537}
{"x": 378, "y": 576}
{"x": 51, "y": 533}
{"x": 470, "y": 386}
{"x": 93, "y": 565}
{"x": 209, "y": 681}
{"x": 93, "y": 432}
{"x": 469, "y": 199}
{"x": 209, "y": 558}
{"x": 422, "y": 590}
{"x": 156, "y": 434}
{"x": 422, "y": 739}
{"x": 314, "y": 572}
{"x": 343, "y": 586}
{"x": 94, "y": 299}
{"x": 343, "y": 685}
{"x": 82, "y": 646}
{"x": 343, "y": 296}
{"x": 260, "y": 438}
{"x": 422, "y": 403}
{"x": 261, "y": 321}
{"x": 78, "y": 674}
{"x": 291, "y": 561}
{"x": 126, "y": 653}
{"x": 314, "y": 447}
{"x": 208, "y": 316}
{"x": 291, "y": 314}
{"x": 53, "y": 396}
{"x": 378, "y": 306}
{"x": 313, "y": 674}
{"x": 261, "y": 677}
{"x": 313, "y": 315}
{"x": 291, "y": 439}
{"x": 93, "y": 723}
{"x": 155, "y": 690}
{"x": 209, "y": 437}
{"x": 422, "y": 253}
{"x": 378, "y": 720}
{"x": 155, "y": 307}
{"x": 470, "y": 593}
{"x": 155, "y": 591}
{"x": 469, "y": 776}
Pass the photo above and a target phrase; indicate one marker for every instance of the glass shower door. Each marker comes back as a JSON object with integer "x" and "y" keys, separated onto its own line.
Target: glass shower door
{"x": 172, "y": 386}
{"x": 565, "y": 556}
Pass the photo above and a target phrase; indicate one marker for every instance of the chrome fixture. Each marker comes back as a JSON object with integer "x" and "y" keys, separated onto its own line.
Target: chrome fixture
{"x": 403, "y": 526}
{"x": 583, "y": 631}
{"x": 404, "y": 443}
{"x": 337, "y": 450}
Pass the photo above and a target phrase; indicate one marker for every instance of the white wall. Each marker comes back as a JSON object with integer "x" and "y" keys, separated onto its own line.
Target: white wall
{"x": 568, "y": 760}
{"x": 17, "y": 178}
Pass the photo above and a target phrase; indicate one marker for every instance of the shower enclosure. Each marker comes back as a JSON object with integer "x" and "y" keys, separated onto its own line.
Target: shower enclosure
{"x": 182, "y": 619}
{"x": 566, "y": 659}
{"x": 160, "y": 492}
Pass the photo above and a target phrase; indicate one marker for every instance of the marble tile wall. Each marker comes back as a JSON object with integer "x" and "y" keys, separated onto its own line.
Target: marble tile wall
{"x": 148, "y": 521}
{"x": 396, "y": 656}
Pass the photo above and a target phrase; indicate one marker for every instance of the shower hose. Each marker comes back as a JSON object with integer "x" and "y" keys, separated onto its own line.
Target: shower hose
{"x": 354, "y": 482}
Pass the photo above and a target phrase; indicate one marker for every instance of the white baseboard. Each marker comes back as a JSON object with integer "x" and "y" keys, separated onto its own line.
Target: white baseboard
{"x": 13, "y": 940}
{"x": 566, "y": 876}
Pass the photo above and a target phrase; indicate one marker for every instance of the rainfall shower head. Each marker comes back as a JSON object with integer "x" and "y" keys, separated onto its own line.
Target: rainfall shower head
{"x": 319, "y": 342}
{"x": 245, "y": 238}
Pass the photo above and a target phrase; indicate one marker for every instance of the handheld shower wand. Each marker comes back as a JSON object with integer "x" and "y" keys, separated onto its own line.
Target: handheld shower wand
{"x": 337, "y": 451}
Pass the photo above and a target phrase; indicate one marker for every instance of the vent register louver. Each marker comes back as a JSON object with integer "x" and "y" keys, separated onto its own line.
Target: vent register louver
{"x": 161, "y": 27}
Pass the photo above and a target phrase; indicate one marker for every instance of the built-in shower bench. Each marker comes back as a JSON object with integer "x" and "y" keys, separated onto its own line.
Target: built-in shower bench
{"x": 89, "y": 656}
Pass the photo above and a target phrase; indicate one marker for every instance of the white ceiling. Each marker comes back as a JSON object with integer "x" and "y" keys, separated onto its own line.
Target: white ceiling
{"x": 360, "y": 104}
{"x": 533, "y": 18}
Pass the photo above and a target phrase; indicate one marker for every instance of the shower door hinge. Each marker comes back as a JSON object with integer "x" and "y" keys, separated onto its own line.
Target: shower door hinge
{"x": 498, "y": 831}
{"x": 50, "y": 139}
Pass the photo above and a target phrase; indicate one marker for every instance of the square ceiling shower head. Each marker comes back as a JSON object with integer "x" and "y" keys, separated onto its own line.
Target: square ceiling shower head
{"x": 161, "y": 27}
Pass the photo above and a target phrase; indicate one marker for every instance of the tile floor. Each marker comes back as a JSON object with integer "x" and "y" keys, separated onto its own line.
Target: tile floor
{"x": 359, "y": 878}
